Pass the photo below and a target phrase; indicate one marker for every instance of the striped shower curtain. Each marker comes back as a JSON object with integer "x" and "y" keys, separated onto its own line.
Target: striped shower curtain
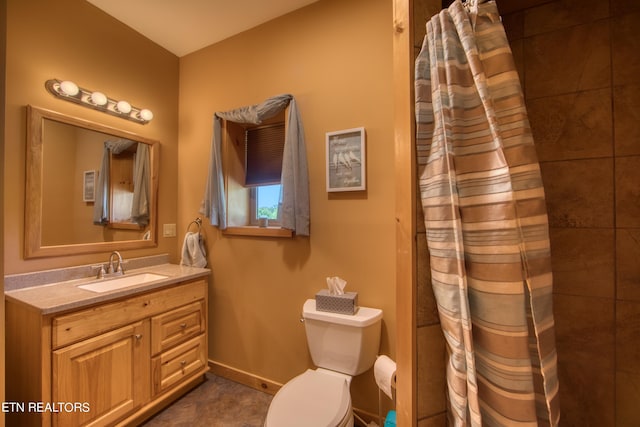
{"x": 486, "y": 222}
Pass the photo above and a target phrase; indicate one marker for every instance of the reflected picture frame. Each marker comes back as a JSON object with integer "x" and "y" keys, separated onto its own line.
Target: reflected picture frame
{"x": 89, "y": 186}
{"x": 346, "y": 160}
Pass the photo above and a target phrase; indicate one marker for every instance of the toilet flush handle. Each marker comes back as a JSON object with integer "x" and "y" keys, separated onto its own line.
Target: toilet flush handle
{"x": 301, "y": 318}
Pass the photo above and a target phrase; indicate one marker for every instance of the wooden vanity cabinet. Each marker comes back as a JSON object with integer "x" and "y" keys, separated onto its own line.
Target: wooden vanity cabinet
{"x": 117, "y": 362}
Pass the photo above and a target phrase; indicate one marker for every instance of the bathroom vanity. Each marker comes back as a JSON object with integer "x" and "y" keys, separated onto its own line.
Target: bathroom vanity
{"x": 77, "y": 356}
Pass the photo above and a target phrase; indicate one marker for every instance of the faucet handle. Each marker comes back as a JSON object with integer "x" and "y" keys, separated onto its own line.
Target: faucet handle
{"x": 100, "y": 270}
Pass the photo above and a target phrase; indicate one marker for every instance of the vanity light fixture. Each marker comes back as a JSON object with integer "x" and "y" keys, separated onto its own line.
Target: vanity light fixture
{"x": 69, "y": 91}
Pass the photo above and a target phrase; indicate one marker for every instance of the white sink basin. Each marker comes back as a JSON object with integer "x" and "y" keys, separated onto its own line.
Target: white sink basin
{"x": 125, "y": 281}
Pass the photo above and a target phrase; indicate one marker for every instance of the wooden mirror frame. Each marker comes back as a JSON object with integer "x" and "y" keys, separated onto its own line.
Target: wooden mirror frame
{"x": 33, "y": 247}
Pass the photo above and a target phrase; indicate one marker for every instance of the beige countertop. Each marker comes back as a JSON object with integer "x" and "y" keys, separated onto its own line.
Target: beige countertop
{"x": 66, "y": 295}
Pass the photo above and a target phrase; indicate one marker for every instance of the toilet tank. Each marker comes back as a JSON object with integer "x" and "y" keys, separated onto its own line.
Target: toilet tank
{"x": 340, "y": 342}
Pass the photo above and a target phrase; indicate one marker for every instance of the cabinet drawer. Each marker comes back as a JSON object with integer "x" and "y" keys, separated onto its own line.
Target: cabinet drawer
{"x": 187, "y": 359}
{"x": 177, "y": 326}
{"x": 73, "y": 327}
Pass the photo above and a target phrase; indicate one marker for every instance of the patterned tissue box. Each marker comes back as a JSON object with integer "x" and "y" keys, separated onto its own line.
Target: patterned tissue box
{"x": 343, "y": 304}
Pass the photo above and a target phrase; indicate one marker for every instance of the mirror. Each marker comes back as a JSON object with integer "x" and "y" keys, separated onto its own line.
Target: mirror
{"x": 89, "y": 187}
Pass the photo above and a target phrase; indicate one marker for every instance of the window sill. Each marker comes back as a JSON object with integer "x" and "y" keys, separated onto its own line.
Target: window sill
{"x": 257, "y": 231}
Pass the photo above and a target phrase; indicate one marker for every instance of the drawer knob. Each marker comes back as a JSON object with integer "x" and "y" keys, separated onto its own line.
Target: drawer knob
{"x": 183, "y": 325}
{"x": 138, "y": 336}
{"x": 183, "y": 363}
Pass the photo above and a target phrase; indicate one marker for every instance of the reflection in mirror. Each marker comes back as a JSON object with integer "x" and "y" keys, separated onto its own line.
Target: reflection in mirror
{"x": 90, "y": 188}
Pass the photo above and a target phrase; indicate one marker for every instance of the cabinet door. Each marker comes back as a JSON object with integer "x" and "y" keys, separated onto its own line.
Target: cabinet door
{"x": 108, "y": 374}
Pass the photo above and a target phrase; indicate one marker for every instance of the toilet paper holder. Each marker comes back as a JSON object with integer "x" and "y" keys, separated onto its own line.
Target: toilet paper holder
{"x": 384, "y": 371}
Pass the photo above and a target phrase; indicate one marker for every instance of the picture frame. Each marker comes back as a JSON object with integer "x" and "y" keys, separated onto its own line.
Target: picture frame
{"x": 346, "y": 160}
{"x": 89, "y": 186}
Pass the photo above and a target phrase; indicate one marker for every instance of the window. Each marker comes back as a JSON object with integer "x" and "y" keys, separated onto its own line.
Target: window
{"x": 264, "y": 203}
{"x": 264, "y": 147}
{"x": 253, "y": 164}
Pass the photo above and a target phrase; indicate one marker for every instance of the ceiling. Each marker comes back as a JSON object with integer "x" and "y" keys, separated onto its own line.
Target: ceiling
{"x": 184, "y": 26}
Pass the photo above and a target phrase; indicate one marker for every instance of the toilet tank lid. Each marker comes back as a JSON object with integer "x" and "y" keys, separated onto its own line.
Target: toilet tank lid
{"x": 364, "y": 316}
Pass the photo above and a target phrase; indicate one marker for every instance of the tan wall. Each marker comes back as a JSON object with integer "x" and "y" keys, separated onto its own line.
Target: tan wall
{"x": 335, "y": 57}
{"x": 72, "y": 39}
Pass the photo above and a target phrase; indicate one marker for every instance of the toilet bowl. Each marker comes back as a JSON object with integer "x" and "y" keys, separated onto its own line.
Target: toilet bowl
{"x": 316, "y": 398}
{"x": 341, "y": 346}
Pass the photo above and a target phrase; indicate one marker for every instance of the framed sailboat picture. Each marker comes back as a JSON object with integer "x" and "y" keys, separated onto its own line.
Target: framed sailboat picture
{"x": 346, "y": 160}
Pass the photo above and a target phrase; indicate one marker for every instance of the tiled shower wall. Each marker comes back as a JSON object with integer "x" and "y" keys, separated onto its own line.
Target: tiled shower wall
{"x": 579, "y": 63}
{"x": 431, "y": 383}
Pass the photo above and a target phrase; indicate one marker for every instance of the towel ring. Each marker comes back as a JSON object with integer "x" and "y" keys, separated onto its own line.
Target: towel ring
{"x": 197, "y": 222}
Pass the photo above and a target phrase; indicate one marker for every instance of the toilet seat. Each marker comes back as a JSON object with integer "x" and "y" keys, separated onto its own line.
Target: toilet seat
{"x": 312, "y": 399}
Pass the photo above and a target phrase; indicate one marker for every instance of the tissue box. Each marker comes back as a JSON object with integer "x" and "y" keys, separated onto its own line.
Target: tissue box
{"x": 343, "y": 304}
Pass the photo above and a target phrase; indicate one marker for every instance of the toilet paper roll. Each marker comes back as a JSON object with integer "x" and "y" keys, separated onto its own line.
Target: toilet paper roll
{"x": 384, "y": 371}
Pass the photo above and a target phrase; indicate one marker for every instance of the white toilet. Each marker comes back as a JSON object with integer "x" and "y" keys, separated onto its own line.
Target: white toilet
{"x": 341, "y": 346}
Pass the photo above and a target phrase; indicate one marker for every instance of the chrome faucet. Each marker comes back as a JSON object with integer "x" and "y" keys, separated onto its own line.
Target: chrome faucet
{"x": 118, "y": 268}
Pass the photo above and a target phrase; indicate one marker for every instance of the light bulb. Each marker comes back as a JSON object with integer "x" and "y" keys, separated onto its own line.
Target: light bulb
{"x": 124, "y": 107}
{"x": 99, "y": 98}
{"x": 69, "y": 88}
{"x": 145, "y": 114}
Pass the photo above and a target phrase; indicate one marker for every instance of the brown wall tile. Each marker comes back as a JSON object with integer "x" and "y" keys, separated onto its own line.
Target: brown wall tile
{"x": 579, "y": 193}
{"x": 627, "y": 398}
{"x": 517, "y": 50}
{"x": 423, "y": 11}
{"x": 561, "y": 14}
{"x": 585, "y": 344}
{"x": 624, "y": 6}
{"x": 558, "y": 63}
{"x": 626, "y": 113}
{"x": 427, "y": 309}
{"x": 582, "y": 261}
{"x": 431, "y": 371}
{"x": 628, "y": 331}
{"x": 430, "y": 351}
{"x": 439, "y": 420}
{"x": 628, "y": 192}
{"x": 420, "y": 226}
{"x": 572, "y": 126}
{"x": 625, "y": 45}
{"x": 627, "y": 265}
{"x": 513, "y": 24}
{"x": 511, "y": 6}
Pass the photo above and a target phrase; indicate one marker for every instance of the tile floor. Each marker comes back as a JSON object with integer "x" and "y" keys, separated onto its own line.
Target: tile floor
{"x": 217, "y": 402}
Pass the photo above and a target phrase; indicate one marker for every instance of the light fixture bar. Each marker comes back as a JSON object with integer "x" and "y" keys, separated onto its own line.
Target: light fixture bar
{"x": 69, "y": 91}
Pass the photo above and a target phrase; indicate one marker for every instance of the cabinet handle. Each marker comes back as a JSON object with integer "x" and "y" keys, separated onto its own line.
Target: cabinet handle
{"x": 183, "y": 325}
{"x": 182, "y": 363}
{"x": 138, "y": 336}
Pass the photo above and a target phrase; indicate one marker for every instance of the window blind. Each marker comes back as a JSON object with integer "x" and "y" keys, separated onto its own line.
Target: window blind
{"x": 264, "y": 148}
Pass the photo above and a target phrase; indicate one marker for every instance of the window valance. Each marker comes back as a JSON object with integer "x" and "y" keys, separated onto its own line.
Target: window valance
{"x": 294, "y": 195}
